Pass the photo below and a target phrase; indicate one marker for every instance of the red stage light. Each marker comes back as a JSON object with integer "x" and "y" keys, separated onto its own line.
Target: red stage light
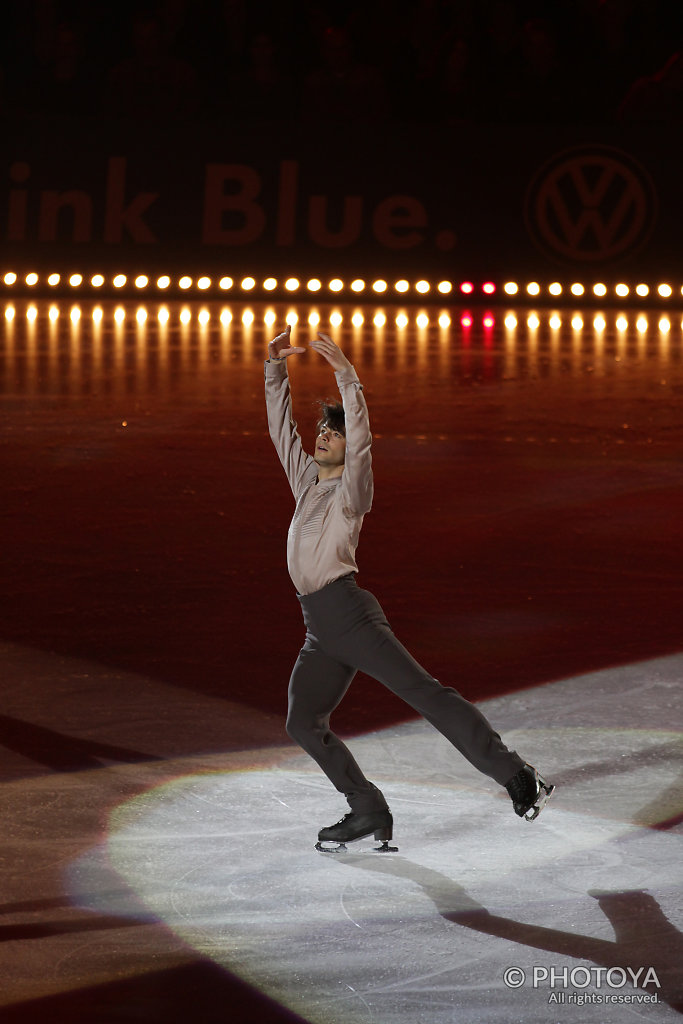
{"x": 466, "y": 320}
{"x": 467, "y": 287}
{"x": 489, "y": 321}
{"x": 489, "y": 287}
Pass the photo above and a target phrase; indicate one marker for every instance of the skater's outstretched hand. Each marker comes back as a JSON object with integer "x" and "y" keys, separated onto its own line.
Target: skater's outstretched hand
{"x": 281, "y": 347}
{"x": 334, "y": 355}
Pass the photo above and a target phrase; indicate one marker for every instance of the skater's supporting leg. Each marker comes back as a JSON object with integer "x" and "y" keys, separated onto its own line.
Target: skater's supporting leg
{"x": 316, "y": 686}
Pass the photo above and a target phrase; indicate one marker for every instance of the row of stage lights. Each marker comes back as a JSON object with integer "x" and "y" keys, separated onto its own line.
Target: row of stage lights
{"x": 336, "y": 285}
{"x": 422, "y": 320}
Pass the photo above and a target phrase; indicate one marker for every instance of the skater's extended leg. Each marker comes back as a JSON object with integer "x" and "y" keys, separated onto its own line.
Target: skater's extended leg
{"x": 371, "y": 646}
{"x": 316, "y": 686}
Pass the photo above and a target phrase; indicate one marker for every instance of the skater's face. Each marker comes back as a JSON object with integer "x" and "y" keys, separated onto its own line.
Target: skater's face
{"x": 330, "y": 447}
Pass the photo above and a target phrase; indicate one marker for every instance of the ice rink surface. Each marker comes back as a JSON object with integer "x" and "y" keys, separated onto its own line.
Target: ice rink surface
{"x": 158, "y": 856}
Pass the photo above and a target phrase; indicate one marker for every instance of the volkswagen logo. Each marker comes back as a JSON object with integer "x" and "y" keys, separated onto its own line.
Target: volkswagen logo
{"x": 591, "y": 204}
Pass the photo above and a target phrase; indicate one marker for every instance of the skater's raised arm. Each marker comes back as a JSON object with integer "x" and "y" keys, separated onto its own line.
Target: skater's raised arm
{"x": 281, "y": 423}
{"x": 356, "y": 481}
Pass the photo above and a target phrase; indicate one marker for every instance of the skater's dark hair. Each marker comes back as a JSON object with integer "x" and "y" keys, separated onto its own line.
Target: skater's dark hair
{"x": 332, "y": 414}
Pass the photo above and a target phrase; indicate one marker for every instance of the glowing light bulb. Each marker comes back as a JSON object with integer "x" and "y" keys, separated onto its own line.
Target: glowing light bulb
{"x": 53, "y": 313}
{"x": 204, "y": 317}
{"x": 642, "y": 290}
{"x": 357, "y": 285}
{"x": 577, "y": 323}
{"x": 336, "y": 285}
{"x": 379, "y": 286}
{"x": 622, "y": 323}
{"x": 270, "y": 284}
{"x": 599, "y": 323}
{"x": 163, "y": 281}
{"x": 664, "y": 325}
{"x": 292, "y": 284}
{"x": 119, "y": 314}
{"x": 444, "y": 320}
{"x": 185, "y": 282}
{"x": 225, "y": 283}
{"x": 185, "y": 315}
{"x": 555, "y": 322}
{"x": 577, "y": 289}
{"x": 31, "y": 313}
{"x": 422, "y": 287}
{"x": 510, "y": 287}
{"x": 336, "y": 319}
{"x": 292, "y": 318}
{"x": 97, "y": 314}
{"x": 10, "y": 312}
{"x": 77, "y": 279}
{"x": 269, "y": 317}
{"x": 379, "y": 319}
{"x": 622, "y": 290}
{"x": 97, "y": 280}
{"x": 10, "y": 278}
{"x": 641, "y": 324}
{"x": 75, "y": 314}
{"x": 226, "y": 316}
{"x": 665, "y": 290}
{"x": 555, "y": 288}
{"x": 401, "y": 320}
{"x": 422, "y": 320}
{"x": 357, "y": 319}
{"x": 402, "y": 286}
{"x": 53, "y": 279}
{"x": 163, "y": 315}
{"x": 510, "y": 321}
{"x": 314, "y": 319}
{"x": 533, "y": 322}
{"x": 466, "y": 287}
{"x": 488, "y": 287}
{"x": 31, "y": 279}
{"x": 118, "y": 282}
{"x": 445, "y": 287}
{"x": 533, "y": 288}
{"x": 141, "y": 315}
{"x": 141, "y": 281}
{"x": 314, "y": 285}
{"x": 599, "y": 289}
{"x": 247, "y": 317}
{"x": 203, "y": 283}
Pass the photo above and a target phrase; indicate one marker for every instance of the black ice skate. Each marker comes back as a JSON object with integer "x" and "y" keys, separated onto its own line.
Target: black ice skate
{"x": 529, "y": 792}
{"x": 358, "y": 826}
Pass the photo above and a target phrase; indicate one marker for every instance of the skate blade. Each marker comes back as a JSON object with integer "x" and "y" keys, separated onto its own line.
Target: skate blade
{"x": 330, "y": 847}
{"x": 546, "y": 791}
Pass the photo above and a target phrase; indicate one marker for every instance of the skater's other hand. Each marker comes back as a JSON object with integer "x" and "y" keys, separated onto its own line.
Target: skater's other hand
{"x": 281, "y": 347}
{"x": 334, "y": 355}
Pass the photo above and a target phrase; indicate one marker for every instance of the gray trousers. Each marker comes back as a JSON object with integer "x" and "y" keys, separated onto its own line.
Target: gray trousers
{"x": 347, "y": 631}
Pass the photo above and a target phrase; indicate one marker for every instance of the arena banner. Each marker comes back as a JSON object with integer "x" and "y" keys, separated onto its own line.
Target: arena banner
{"x": 472, "y": 201}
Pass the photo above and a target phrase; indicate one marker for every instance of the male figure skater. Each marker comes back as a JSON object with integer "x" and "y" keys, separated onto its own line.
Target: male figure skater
{"x": 346, "y": 629}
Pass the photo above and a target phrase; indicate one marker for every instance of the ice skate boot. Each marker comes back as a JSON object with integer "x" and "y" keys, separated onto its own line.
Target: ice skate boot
{"x": 529, "y": 792}
{"x": 357, "y": 826}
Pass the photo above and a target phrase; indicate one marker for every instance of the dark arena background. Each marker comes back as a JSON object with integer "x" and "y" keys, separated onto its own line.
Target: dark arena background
{"x": 481, "y": 203}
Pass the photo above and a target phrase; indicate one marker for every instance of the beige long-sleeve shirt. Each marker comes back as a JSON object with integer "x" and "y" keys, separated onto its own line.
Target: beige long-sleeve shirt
{"x": 323, "y": 534}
